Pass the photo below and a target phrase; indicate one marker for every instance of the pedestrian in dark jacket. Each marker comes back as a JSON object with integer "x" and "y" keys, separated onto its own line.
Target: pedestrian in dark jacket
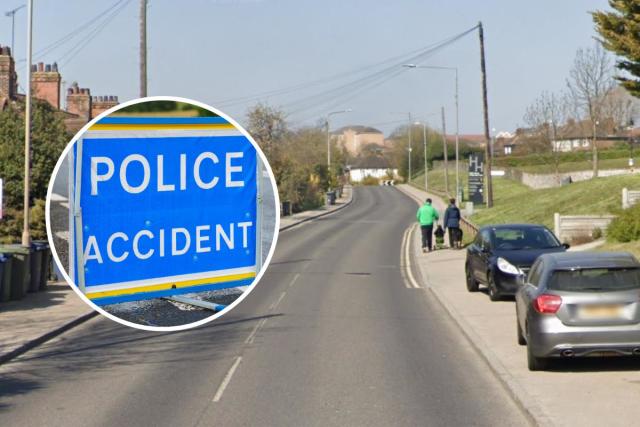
{"x": 452, "y": 223}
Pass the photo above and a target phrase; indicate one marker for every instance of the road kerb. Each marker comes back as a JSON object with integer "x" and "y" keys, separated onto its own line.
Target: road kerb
{"x": 320, "y": 214}
{"x": 46, "y": 337}
{"x": 525, "y": 402}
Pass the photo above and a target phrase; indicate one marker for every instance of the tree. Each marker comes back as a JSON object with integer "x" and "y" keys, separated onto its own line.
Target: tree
{"x": 48, "y": 138}
{"x": 589, "y": 83}
{"x": 268, "y": 126}
{"x": 620, "y": 32}
{"x": 545, "y": 115}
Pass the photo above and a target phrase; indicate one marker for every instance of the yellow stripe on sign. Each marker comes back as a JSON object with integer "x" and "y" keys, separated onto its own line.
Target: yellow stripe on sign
{"x": 165, "y": 286}
{"x": 154, "y": 126}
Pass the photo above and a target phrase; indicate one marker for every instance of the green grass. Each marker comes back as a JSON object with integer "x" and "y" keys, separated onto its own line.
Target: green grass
{"x": 633, "y": 247}
{"x": 515, "y": 202}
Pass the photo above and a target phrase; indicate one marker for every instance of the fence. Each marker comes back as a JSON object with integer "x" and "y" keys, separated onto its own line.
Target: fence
{"x": 630, "y": 197}
{"x": 570, "y": 227}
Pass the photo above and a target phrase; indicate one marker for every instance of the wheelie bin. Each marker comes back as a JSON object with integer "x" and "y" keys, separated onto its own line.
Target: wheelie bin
{"x": 5, "y": 277}
{"x": 20, "y": 269}
{"x": 42, "y": 246}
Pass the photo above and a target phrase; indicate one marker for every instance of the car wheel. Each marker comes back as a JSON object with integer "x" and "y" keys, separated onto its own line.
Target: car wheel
{"x": 535, "y": 363}
{"x": 494, "y": 295}
{"x": 472, "y": 284}
{"x": 521, "y": 339}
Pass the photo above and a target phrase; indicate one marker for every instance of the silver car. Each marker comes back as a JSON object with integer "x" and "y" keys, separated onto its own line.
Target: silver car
{"x": 576, "y": 304}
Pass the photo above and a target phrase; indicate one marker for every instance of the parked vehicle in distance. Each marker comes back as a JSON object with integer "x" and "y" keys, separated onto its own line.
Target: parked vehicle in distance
{"x": 501, "y": 254}
{"x": 578, "y": 304}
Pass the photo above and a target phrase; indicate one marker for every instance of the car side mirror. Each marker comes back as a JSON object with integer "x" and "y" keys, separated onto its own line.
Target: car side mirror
{"x": 566, "y": 245}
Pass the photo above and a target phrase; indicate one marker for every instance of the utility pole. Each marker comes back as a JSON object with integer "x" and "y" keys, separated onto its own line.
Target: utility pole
{"x": 26, "y": 237}
{"x": 143, "y": 48}
{"x": 410, "y": 147}
{"x": 457, "y": 142}
{"x": 12, "y": 14}
{"x": 445, "y": 152}
{"x": 426, "y": 175}
{"x": 485, "y": 109}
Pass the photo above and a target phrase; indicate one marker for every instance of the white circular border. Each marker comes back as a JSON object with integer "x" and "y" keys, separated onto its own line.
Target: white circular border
{"x": 63, "y": 269}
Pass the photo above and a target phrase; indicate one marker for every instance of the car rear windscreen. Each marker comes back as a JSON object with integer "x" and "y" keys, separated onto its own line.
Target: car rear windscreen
{"x": 595, "y": 279}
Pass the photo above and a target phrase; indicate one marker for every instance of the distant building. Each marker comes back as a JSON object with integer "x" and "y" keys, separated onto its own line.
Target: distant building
{"x": 373, "y": 166}
{"x": 46, "y": 86}
{"x": 355, "y": 138}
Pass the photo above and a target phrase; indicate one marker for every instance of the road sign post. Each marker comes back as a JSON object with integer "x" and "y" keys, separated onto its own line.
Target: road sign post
{"x": 476, "y": 178}
{"x": 164, "y": 206}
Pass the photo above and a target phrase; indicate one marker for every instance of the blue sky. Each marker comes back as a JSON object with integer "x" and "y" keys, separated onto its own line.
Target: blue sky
{"x": 214, "y": 50}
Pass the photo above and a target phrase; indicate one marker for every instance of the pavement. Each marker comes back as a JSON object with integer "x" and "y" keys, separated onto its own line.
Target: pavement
{"x": 58, "y": 309}
{"x": 333, "y": 335}
{"x": 574, "y": 392}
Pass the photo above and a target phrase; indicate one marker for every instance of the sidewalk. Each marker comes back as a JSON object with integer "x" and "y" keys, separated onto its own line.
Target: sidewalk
{"x": 40, "y": 316}
{"x": 575, "y": 392}
{"x": 287, "y": 222}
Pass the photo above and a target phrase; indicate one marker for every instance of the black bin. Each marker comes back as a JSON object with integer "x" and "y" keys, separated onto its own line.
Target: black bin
{"x": 331, "y": 197}
{"x": 42, "y": 247}
{"x": 286, "y": 208}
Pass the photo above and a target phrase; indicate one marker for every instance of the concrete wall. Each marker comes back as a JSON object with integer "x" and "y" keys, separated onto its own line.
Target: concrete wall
{"x": 630, "y": 197}
{"x": 569, "y": 227}
{"x": 537, "y": 181}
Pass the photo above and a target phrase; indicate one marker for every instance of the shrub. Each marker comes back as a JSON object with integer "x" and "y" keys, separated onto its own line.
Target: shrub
{"x": 370, "y": 180}
{"x": 596, "y": 233}
{"x": 626, "y": 226}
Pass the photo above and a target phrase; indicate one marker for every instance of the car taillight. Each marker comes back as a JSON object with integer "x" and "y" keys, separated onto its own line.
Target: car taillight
{"x": 547, "y": 304}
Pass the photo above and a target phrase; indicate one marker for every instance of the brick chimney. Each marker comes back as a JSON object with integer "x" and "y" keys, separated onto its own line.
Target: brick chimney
{"x": 102, "y": 103}
{"x": 45, "y": 83}
{"x": 79, "y": 101}
{"x": 8, "y": 76}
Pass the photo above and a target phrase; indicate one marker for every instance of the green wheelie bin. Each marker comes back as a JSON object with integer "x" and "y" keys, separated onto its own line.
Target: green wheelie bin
{"x": 5, "y": 277}
{"x": 20, "y": 269}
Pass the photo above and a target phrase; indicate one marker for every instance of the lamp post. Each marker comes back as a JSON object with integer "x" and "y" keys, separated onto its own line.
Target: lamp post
{"x": 26, "y": 238}
{"x": 348, "y": 110}
{"x": 455, "y": 70}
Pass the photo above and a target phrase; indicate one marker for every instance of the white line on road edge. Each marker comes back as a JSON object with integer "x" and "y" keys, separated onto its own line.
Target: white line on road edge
{"x": 226, "y": 380}
{"x": 294, "y": 279}
{"x": 253, "y": 333}
{"x": 275, "y": 304}
{"x": 411, "y": 281}
{"x": 64, "y": 235}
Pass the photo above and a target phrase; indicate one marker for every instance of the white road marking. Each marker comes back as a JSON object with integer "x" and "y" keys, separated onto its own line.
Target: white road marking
{"x": 411, "y": 281}
{"x": 65, "y": 205}
{"x": 294, "y": 280}
{"x": 64, "y": 235}
{"x": 55, "y": 197}
{"x": 226, "y": 380}
{"x": 275, "y": 304}
{"x": 255, "y": 330}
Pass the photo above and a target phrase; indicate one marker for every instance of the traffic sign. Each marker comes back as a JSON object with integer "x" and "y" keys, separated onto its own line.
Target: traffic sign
{"x": 163, "y": 206}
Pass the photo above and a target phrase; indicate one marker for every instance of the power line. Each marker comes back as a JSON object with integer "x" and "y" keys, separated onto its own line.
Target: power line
{"x": 77, "y": 48}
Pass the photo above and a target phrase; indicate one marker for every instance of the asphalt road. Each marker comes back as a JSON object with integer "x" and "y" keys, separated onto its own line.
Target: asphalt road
{"x": 331, "y": 336}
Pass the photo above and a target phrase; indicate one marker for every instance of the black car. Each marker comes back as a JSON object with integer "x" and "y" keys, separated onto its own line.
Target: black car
{"x": 501, "y": 254}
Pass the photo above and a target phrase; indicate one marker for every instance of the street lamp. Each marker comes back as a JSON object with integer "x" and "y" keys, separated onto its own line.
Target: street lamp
{"x": 455, "y": 69}
{"x": 348, "y": 110}
{"x": 12, "y": 14}
{"x": 26, "y": 237}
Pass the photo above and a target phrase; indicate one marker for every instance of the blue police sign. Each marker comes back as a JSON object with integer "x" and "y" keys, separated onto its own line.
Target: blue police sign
{"x": 163, "y": 206}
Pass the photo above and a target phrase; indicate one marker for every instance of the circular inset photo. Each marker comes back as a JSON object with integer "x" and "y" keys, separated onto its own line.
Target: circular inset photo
{"x": 162, "y": 213}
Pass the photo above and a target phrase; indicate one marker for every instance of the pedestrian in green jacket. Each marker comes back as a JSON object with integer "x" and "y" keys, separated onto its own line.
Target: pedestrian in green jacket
{"x": 426, "y": 216}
